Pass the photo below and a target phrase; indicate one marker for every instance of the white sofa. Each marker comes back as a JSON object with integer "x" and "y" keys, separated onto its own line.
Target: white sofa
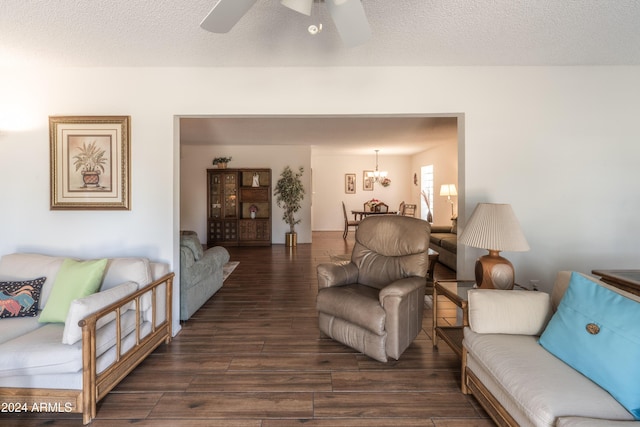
{"x": 519, "y": 382}
{"x": 69, "y": 367}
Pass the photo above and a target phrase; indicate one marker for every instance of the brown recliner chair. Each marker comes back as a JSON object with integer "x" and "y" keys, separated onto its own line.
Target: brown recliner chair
{"x": 375, "y": 302}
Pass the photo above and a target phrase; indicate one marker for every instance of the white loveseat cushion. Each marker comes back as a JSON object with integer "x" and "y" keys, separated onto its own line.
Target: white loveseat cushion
{"x": 532, "y": 384}
{"x": 120, "y": 270}
{"x": 27, "y": 266}
{"x": 496, "y": 311}
{"x": 41, "y": 351}
{"x": 14, "y": 327}
{"x": 82, "y": 307}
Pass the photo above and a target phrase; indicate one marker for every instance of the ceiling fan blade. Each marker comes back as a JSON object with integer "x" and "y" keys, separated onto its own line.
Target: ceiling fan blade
{"x": 350, "y": 20}
{"x": 300, "y": 6}
{"x": 225, "y": 14}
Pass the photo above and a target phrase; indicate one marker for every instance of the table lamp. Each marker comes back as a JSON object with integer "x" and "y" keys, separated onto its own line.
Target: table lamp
{"x": 449, "y": 190}
{"x": 494, "y": 227}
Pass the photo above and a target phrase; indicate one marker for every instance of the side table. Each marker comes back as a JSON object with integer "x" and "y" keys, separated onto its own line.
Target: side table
{"x": 628, "y": 280}
{"x": 445, "y": 321}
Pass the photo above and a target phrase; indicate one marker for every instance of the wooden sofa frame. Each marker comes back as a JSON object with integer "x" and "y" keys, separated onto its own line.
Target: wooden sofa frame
{"x": 96, "y": 386}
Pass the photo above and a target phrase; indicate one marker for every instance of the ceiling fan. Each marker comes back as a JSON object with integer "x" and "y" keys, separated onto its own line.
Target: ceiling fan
{"x": 348, "y": 17}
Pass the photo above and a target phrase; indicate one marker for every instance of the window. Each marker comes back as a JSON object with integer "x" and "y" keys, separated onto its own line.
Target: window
{"x": 426, "y": 182}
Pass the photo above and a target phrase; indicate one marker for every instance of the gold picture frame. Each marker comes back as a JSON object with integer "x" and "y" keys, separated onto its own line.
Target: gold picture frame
{"x": 350, "y": 183}
{"x": 367, "y": 182}
{"x": 90, "y": 167}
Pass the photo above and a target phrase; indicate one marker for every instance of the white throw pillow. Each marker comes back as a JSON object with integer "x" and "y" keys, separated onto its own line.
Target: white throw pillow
{"x": 497, "y": 311}
{"x": 82, "y": 307}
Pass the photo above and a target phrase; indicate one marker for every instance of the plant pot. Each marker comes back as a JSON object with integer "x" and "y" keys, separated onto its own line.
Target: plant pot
{"x": 291, "y": 239}
{"x": 90, "y": 178}
{"x": 253, "y": 215}
{"x": 221, "y": 165}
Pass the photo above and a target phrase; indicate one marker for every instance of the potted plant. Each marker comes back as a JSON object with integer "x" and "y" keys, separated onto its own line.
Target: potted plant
{"x": 289, "y": 193}
{"x": 252, "y": 211}
{"x": 91, "y": 161}
{"x": 221, "y": 162}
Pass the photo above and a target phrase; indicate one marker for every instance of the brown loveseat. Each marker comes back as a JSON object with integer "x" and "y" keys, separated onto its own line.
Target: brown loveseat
{"x": 444, "y": 240}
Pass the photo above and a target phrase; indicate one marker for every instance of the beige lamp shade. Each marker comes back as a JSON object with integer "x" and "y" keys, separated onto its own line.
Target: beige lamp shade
{"x": 448, "y": 190}
{"x": 494, "y": 227}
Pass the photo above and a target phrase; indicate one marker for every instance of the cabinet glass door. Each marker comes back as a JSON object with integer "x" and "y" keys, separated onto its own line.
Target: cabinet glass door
{"x": 215, "y": 196}
{"x": 230, "y": 196}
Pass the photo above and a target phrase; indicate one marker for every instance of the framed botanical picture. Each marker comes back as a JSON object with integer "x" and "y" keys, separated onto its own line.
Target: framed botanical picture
{"x": 90, "y": 162}
{"x": 350, "y": 183}
{"x": 367, "y": 183}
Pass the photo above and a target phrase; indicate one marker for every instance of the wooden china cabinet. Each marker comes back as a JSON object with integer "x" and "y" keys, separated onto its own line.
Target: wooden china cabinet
{"x": 231, "y": 194}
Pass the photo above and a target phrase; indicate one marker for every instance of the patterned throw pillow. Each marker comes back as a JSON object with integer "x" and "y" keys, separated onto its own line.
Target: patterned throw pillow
{"x": 20, "y": 299}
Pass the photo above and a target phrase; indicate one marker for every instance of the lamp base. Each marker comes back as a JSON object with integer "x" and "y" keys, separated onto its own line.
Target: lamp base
{"x": 494, "y": 272}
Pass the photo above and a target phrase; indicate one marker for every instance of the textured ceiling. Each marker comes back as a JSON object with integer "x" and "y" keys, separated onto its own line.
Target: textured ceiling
{"x": 405, "y": 32}
{"x": 151, "y": 33}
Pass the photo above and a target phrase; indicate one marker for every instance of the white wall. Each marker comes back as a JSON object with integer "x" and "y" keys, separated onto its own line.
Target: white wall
{"x": 328, "y": 186}
{"x": 559, "y": 144}
{"x": 195, "y": 160}
{"x": 444, "y": 158}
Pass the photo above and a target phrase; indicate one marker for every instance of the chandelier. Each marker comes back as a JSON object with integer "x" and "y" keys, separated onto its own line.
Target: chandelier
{"x": 377, "y": 175}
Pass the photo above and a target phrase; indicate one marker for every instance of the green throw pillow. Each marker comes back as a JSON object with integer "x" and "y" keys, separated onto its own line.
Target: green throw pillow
{"x": 76, "y": 279}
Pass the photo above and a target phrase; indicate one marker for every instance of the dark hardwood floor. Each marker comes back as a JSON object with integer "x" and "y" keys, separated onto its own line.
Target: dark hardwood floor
{"x": 253, "y": 356}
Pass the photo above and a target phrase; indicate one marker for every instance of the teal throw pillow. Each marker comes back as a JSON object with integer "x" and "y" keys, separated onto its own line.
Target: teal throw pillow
{"x": 597, "y": 332}
{"x": 75, "y": 279}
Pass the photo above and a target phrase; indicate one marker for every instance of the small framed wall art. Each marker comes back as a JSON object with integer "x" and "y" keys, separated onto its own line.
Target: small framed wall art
{"x": 367, "y": 182}
{"x": 90, "y": 162}
{"x": 350, "y": 183}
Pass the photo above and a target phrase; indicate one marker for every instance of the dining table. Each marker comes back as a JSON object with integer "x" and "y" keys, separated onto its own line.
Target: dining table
{"x": 359, "y": 215}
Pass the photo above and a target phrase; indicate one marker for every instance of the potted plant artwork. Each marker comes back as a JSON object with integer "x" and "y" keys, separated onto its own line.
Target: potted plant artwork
{"x": 221, "y": 162}
{"x": 289, "y": 193}
{"x": 90, "y": 161}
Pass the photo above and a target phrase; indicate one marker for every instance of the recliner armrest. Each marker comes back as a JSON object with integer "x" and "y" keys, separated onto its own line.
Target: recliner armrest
{"x": 401, "y": 288}
{"x": 336, "y": 274}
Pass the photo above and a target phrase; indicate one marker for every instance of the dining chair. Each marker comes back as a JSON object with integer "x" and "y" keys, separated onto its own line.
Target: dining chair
{"x": 408, "y": 210}
{"x": 382, "y": 207}
{"x": 348, "y": 222}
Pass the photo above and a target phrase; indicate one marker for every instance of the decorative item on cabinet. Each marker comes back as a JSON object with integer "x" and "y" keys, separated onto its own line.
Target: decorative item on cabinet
{"x": 239, "y": 213}
{"x": 221, "y": 162}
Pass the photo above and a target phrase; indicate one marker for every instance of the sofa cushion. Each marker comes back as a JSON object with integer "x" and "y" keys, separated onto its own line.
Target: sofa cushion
{"x": 76, "y": 279}
{"x": 448, "y": 241}
{"x": 592, "y": 422}
{"x": 16, "y": 326}
{"x": 20, "y": 298}
{"x": 532, "y": 383}
{"x": 41, "y": 351}
{"x": 450, "y": 244}
{"x": 82, "y": 307}
{"x": 120, "y": 270}
{"x": 597, "y": 332}
{"x": 497, "y": 311}
{"x": 191, "y": 242}
{"x": 20, "y": 266}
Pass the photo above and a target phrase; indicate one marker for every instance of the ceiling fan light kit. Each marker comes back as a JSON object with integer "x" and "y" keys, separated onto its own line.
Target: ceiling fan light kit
{"x": 347, "y": 15}
{"x": 300, "y": 6}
